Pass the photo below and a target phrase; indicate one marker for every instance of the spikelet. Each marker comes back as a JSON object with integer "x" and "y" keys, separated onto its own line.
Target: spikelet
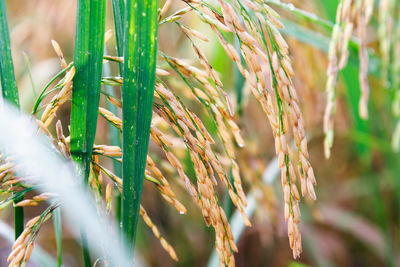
{"x": 349, "y": 15}
{"x": 200, "y": 146}
{"x": 112, "y": 151}
{"x": 8, "y": 166}
{"x": 143, "y": 213}
{"x": 60, "y": 98}
{"x": 160, "y": 139}
{"x": 59, "y": 53}
{"x": 96, "y": 179}
{"x": 23, "y": 245}
{"x": 109, "y": 116}
{"x": 62, "y": 143}
{"x": 164, "y": 186}
{"x": 165, "y": 8}
{"x": 65, "y": 84}
{"x": 35, "y": 201}
{"x": 193, "y": 33}
{"x": 8, "y": 181}
{"x": 157, "y": 234}
{"x": 162, "y": 183}
{"x": 108, "y": 198}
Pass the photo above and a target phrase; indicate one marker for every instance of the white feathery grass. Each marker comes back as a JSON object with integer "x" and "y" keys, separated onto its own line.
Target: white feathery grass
{"x": 35, "y": 157}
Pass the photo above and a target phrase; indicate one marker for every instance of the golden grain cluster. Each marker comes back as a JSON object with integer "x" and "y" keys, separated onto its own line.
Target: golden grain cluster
{"x": 263, "y": 60}
{"x": 351, "y": 15}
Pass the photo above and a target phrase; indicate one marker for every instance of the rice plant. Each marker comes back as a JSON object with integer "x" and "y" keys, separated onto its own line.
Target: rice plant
{"x": 165, "y": 108}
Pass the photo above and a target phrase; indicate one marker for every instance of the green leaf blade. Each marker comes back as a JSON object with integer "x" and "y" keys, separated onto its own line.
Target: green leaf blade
{"x": 10, "y": 93}
{"x": 8, "y": 82}
{"x": 57, "y": 222}
{"x": 88, "y": 58}
{"x": 140, "y": 50}
{"x": 80, "y": 83}
{"x": 118, "y": 8}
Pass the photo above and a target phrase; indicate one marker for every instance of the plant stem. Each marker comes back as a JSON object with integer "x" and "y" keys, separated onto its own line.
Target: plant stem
{"x": 58, "y": 234}
{"x": 18, "y": 218}
{"x": 85, "y": 250}
{"x": 140, "y": 50}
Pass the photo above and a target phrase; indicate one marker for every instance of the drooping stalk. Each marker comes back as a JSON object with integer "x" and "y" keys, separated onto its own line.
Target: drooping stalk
{"x": 239, "y": 81}
{"x": 118, "y": 12}
{"x": 140, "y": 48}
{"x": 88, "y": 60}
{"x": 115, "y": 140}
{"x": 9, "y": 92}
{"x": 239, "y": 86}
